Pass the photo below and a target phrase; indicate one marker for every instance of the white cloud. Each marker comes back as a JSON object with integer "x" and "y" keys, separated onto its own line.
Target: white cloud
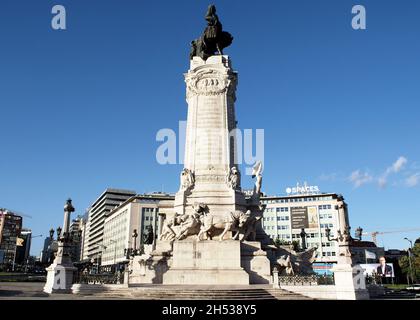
{"x": 413, "y": 180}
{"x": 359, "y": 179}
{"x": 396, "y": 167}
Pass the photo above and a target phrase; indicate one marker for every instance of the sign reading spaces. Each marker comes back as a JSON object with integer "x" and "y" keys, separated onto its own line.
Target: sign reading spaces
{"x": 305, "y": 189}
{"x": 299, "y": 217}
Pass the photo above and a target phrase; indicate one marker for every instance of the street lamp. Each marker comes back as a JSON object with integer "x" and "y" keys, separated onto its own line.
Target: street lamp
{"x": 341, "y": 236}
{"x": 58, "y": 233}
{"x": 410, "y": 251}
{"x": 134, "y": 236}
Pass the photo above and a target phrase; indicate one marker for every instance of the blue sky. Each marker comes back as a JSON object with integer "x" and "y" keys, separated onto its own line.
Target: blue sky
{"x": 80, "y": 108}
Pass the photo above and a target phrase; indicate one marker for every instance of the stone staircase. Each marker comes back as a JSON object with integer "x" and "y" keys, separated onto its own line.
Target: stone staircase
{"x": 160, "y": 292}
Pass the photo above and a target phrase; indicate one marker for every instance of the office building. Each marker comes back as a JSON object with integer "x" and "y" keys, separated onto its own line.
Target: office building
{"x": 137, "y": 213}
{"x": 76, "y": 231}
{"x": 10, "y": 228}
{"x": 366, "y": 252}
{"x": 23, "y": 251}
{"x": 47, "y": 255}
{"x": 304, "y": 207}
{"x": 98, "y": 211}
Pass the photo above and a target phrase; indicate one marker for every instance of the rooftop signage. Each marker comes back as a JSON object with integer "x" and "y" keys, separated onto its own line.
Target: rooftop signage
{"x": 305, "y": 189}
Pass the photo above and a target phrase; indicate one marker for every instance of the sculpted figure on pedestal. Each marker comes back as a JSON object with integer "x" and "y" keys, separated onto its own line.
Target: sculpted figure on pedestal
{"x": 168, "y": 233}
{"x": 249, "y": 230}
{"x": 292, "y": 263}
{"x": 238, "y": 222}
{"x": 256, "y": 173}
{"x": 187, "y": 179}
{"x": 190, "y": 223}
{"x": 234, "y": 178}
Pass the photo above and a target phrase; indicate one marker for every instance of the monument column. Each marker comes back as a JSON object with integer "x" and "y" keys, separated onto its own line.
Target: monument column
{"x": 210, "y": 140}
{"x": 61, "y": 272}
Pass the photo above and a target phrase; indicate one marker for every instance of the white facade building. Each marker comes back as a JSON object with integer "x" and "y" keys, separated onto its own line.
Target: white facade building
{"x": 98, "y": 211}
{"x": 285, "y": 216}
{"x": 137, "y": 213}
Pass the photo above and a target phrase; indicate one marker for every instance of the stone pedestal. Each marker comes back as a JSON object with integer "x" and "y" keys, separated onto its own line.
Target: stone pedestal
{"x": 349, "y": 282}
{"x": 59, "y": 279}
{"x": 255, "y": 262}
{"x": 150, "y": 267}
{"x": 61, "y": 272}
{"x": 206, "y": 263}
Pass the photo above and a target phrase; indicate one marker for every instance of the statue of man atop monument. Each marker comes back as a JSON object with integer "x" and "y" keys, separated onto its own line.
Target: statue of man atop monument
{"x": 213, "y": 40}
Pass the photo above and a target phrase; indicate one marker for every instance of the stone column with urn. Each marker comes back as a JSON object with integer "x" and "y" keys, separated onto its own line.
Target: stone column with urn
{"x": 61, "y": 272}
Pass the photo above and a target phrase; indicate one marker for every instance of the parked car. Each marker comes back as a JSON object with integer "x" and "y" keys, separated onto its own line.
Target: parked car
{"x": 414, "y": 287}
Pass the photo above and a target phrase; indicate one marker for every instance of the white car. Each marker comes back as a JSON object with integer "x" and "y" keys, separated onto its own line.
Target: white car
{"x": 414, "y": 287}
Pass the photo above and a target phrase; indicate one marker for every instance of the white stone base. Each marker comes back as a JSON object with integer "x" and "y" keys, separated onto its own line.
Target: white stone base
{"x": 59, "y": 279}
{"x": 349, "y": 282}
{"x": 206, "y": 277}
{"x": 206, "y": 262}
{"x": 255, "y": 262}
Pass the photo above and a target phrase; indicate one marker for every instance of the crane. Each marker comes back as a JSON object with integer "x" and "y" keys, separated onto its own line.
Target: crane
{"x": 374, "y": 234}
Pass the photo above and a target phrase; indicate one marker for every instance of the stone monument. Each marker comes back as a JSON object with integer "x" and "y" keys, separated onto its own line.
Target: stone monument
{"x": 60, "y": 273}
{"x": 349, "y": 279}
{"x": 212, "y": 235}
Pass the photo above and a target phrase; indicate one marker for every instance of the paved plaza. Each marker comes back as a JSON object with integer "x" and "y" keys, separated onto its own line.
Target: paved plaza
{"x": 33, "y": 291}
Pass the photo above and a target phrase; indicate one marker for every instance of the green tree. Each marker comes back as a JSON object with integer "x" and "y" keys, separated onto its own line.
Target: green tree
{"x": 404, "y": 263}
{"x": 280, "y": 242}
{"x": 295, "y": 245}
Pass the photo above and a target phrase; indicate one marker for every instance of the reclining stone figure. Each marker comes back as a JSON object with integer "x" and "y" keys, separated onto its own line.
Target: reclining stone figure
{"x": 291, "y": 262}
